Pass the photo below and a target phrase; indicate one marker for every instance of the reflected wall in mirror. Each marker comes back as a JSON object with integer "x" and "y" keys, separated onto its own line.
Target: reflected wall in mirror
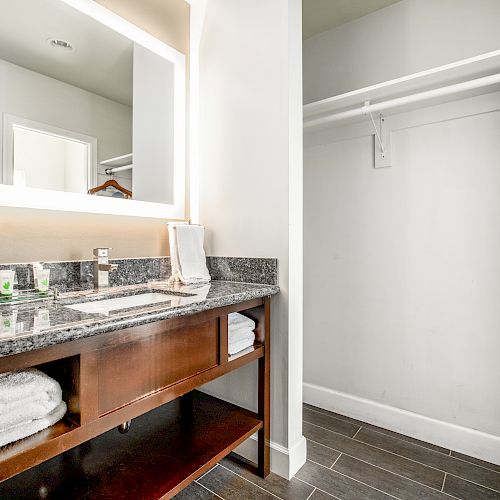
{"x": 83, "y": 104}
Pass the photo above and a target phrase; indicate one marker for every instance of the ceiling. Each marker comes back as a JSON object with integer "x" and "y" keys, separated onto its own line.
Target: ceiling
{"x": 167, "y": 20}
{"x": 101, "y": 61}
{"x": 323, "y": 15}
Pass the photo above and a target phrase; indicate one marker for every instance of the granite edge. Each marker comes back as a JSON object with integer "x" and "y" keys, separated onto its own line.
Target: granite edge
{"x": 22, "y": 344}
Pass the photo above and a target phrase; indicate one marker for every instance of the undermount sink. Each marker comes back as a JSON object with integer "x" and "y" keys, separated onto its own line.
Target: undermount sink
{"x": 107, "y": 306}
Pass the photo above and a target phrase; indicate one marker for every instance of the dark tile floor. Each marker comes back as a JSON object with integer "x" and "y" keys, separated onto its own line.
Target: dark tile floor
{"x": 351, "y": 460}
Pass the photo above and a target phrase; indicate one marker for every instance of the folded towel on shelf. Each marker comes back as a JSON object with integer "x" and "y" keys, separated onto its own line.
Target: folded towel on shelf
{"x": 236, "y": 347}
{"x": 187, "y": 256}
{"x": 27, "y": 411}
{"x": 240, "y": 333}
{"x": 26, "y": 429}
{"x": 29, "y": 402}
{"x": 237, "y": 320}
{"x": 25, "y": 386}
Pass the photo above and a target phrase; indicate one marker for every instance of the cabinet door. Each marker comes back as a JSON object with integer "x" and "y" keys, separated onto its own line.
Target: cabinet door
{"x": 130, "y": 371}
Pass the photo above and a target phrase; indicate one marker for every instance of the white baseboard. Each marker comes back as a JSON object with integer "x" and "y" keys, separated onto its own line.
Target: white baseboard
{"x": 284, "y": 461}
{"x": 455, "y": 437}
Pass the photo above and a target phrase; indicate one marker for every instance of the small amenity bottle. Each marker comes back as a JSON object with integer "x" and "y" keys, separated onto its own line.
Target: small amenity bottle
{"x": 42, "y": 280}
{"x": 7, "y": 281}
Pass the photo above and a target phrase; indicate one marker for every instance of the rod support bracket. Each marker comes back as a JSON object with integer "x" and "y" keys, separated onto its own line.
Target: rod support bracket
{"x": 381, "y": 142}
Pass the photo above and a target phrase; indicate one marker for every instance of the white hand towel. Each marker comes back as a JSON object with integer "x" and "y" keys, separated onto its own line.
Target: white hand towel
{"x": 28, "y": 428}
{"x": 174, "y": 255}
{"x": 237, "y": 320}
{"x": 237, "y": 347}
{"x": 238, "y": 334}
{"x": 187, "y": 255}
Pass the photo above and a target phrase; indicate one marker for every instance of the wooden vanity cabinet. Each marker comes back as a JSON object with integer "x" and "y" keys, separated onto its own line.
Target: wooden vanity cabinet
{"x": 118, "y": 376}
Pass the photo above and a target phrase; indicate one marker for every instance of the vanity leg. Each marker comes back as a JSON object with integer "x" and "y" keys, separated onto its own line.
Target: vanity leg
{"x": 264, "y": 410}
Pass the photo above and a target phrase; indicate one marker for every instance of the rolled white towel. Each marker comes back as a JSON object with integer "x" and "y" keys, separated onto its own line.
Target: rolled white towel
{"x": 32, "y": 427}
{"x": 27, "y": 396}
{"x": 25, "y": 386}
{"x": 27, "y": 411}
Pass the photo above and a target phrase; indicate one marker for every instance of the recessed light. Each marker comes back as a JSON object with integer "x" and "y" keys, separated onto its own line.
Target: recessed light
{"x": 58, "y": 43}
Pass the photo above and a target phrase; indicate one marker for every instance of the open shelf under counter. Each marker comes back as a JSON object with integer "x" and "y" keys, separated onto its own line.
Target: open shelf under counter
{"x": 45, "y": 438}
{"x": 163, "y": 451}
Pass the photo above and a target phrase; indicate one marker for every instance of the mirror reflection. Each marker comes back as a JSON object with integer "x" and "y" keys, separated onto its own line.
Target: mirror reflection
{"x": 85, "y": 109}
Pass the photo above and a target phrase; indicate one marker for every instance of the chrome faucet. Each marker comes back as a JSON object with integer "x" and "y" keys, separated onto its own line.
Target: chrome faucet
{"x": 102, "y": 267}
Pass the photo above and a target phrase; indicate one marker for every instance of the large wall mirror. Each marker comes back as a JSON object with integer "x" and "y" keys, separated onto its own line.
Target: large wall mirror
{"x": 92, "y": 112}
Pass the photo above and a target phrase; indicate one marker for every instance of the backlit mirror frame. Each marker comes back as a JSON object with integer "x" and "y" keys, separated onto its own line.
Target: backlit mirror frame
{"x": 24, "y": 197}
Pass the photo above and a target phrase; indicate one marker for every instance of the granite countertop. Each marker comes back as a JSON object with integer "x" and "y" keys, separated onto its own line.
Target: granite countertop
{"x": 29, "y": 326}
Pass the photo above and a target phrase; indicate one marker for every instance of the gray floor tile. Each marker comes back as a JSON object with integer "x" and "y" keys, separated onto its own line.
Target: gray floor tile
{"x": 289, "y": 490}
{"x": 442, "y": 462}
{"x": 319, "y": 495}
{"x": 377, "y": 464}
{"x": 381, "y": 430}
{"x": 392, "y": 463}
{"x": 332, "y": 423}
{"x": 337, "y": 484}
{"x": 386, "y": 481}
{"x": 195, "y": 492}
{"x": 465, "y": 490}
{"x": 475, "y": 461}
{"x": 321, "y": 454}
{"x": 232, "y": 487}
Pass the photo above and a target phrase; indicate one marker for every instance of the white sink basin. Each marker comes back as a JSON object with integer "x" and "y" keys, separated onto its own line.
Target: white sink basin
{"x": 107, "y": 306}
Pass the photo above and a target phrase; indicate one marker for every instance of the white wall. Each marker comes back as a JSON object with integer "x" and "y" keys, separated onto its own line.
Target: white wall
{"x": 30, "y": 95}
{"x": 153, "y": 127}
{"x": 250, "y": 172}
{"x": 401, "y": 264}
{"x": 406, "y": 37}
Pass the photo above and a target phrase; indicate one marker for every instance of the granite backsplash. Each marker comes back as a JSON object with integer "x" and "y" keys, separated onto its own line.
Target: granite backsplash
{"x": 79, "y": 275}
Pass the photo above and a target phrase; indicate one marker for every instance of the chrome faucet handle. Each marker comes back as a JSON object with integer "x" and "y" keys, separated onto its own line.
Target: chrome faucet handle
{"x": 108, "y": 267}
{"x": 102, "y": 267}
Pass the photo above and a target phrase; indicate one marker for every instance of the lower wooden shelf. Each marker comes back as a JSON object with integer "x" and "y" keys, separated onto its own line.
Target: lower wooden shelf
{"x": 164, "y": 451}
{"x": 256, "y": 351}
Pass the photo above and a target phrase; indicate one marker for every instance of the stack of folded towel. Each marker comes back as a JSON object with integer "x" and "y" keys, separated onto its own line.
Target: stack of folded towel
{"x": 241, "y": 333}
{"x": 29, "y": 402}
{"x": 187, "y": 256}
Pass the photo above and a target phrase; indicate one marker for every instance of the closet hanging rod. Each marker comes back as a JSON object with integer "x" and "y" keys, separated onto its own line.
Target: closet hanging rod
{"x": 400, "y": 101}
{"x": 113, "y": 170}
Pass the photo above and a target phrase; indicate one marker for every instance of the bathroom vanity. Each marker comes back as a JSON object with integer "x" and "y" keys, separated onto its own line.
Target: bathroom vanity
{"x": 142, "y": 364}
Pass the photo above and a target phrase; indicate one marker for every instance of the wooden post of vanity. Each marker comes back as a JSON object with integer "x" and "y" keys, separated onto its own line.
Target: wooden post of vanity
{"x": 264, "y": 409}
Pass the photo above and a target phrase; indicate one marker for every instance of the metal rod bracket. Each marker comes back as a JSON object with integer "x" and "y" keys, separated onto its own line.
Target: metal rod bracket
{"x": 381, "y": 140}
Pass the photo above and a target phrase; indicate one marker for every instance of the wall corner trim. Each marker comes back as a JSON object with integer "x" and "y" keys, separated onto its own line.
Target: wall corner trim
{"x": 284, "y": 461}
{"x": 455, "y": 437}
